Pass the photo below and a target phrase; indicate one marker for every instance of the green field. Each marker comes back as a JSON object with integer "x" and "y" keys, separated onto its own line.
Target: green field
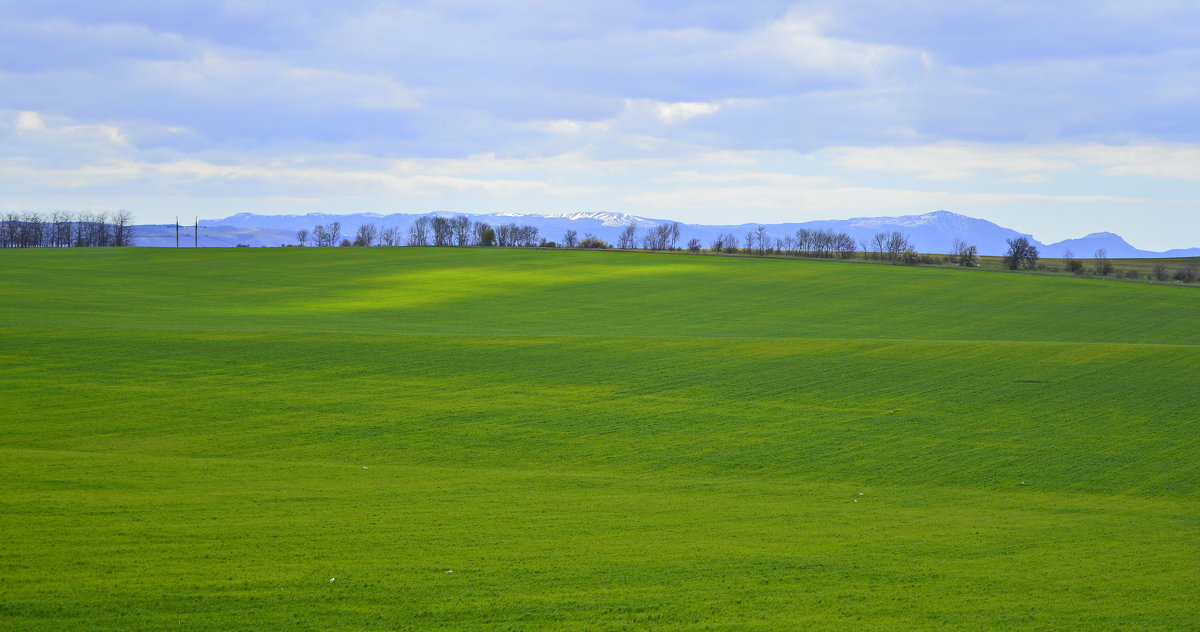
{"x": 202, "y": 439}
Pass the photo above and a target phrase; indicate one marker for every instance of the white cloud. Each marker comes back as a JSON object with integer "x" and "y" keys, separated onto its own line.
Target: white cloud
{"x": 29, "y": 122}
{"x": 103, "y": 164}
{"x": 800, "y": 41}
{"x": 221, "y": 76}
{"x": 678, "y": 112}
{"x": 957, "y": 160}
{"x": 1159, "y": 160}
{"x": 37, "y": 136}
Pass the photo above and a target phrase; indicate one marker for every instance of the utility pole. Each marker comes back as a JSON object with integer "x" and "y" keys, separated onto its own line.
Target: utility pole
{"x": 197, "y": 233}
{"x": 176, "y": 231}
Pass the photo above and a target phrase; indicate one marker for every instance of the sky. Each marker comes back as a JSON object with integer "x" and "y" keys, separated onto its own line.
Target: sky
{"x": 1054, "y": 118}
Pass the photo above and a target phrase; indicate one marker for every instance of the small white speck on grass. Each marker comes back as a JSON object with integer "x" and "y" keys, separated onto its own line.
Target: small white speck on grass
{"x": 364, "y": 467}
{"x": 449, "y": 571}
{"x": 861, "y": 494}
{"x": 331, "y": 579}
{"x": 1021, "y": 483}
{"x": 855, "y": 500}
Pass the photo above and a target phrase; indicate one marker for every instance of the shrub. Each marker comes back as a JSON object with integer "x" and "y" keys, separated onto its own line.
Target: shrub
{"x": 1075, "y": 266}
{"x": 1187, "y": 274}
{"x": 967, "y": 255}
{"x": 593, "y": 242}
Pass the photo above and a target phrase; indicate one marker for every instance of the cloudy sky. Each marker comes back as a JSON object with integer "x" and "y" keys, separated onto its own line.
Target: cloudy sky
{"x": 1056, "y": 118}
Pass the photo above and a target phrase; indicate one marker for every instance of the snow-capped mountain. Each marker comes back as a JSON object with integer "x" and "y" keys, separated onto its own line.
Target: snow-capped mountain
{"x": 606, "y": 218}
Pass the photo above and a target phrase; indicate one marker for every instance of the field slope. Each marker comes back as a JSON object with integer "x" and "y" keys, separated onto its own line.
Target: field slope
{"x": 449, "y": 439}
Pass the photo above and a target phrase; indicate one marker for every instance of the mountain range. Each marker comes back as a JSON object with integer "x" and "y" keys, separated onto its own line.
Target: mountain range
{"x": 930, "y": 232}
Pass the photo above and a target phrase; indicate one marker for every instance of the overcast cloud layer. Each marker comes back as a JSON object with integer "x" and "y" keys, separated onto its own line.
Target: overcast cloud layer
{"x": 1055, "y": 118}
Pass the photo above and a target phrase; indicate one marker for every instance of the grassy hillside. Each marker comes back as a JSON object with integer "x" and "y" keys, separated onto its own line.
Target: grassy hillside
{"x": 202, "y": 439}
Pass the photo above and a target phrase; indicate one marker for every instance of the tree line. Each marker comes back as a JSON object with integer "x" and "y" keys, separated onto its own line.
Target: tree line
{"x": 425, "y": 231}
{"x": 894, "y": 246}
{"x": 61, "y": 229}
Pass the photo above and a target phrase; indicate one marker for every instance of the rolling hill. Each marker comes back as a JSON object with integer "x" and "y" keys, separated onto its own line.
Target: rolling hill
{"x": 455, "y": 439}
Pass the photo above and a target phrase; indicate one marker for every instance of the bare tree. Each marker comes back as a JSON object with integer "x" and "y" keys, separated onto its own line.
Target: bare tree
{"x": 803, "y": 242}
{"x": 758, "y": 240}
{"x": 366, "y": 235}
{"x": 1021, "y": 254}
{"x": 673, "y": 234}
{"x": 58, "y": 232}
{"x": 956, "y": 248}
{"x": 1104, "y": 267}
{"x": 63, "y": 230}
{"x": 33, "y": 230}
{"x": 693, "y": 245}
{"x": 8, "y": 230}
{"x": 570, "y": 238}
{"x": 418, "y": 233}
{"x": 658, "y": 238}
{"x": 461, "y": 227}
{"x": 443, "y": 231}
{"x": 389, "y": 236}
{"x": 1071, "y": 263}
{"x": 506, "y": 235}
{"x": 895, "y": 246}
{"x": 302, "y": 236}
{"x": 516, "y": 236}
{"x": 526, "y": 236}
{"x": 628, "y": 237}
{"x": 967, "y": 254}
{"x": 843, "y": 245}
{"x": 879, "y": 245}
{"x": 479, "y": 230}
{"x": 320, "y": 236}
{"x": 122, "y": 223}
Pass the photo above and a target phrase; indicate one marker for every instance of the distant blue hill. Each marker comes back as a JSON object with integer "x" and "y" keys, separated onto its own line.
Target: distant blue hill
{"x": 931, "y": 232}
{"x": 1114, "y": 246}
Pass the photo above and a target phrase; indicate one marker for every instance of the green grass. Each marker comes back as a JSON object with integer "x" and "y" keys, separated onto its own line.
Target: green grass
{"x": 201, "y": 439}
